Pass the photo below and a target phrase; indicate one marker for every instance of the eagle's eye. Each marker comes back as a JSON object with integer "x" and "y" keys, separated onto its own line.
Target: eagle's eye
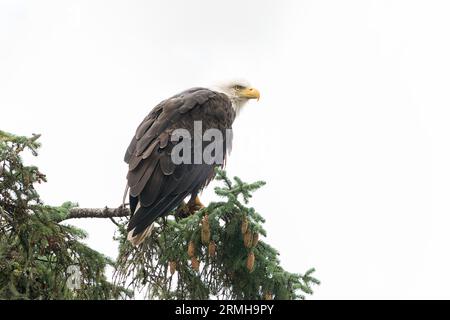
{"x": 238, "y": 87}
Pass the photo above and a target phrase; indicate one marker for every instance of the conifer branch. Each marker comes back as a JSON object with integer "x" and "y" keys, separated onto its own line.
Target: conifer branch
{"x": 106, "y": 212}
{"x": 214, "y": 252}
{"x": 38, "y": 256}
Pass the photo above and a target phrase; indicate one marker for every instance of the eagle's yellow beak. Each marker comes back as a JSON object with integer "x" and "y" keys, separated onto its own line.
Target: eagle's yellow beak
{"x": 249, "y": 93}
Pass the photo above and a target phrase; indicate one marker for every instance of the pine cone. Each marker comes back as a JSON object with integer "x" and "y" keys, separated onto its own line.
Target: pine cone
{"x": 206, "y": 233}
{"x": 191, "y": 249}
{"x": 195, "y": 263}
{"x": 212, "y": 249}
{"x": 250, "y": 261}
{"x": 244, "y": 225}
{"x": 248, "y": 238}
{"x": 53, "y": 243}
{"x": 172, "y": 267}
{"x": 255, "y": 239}
{"x": 268, "y": 296}
{"x": 26, "y": 179}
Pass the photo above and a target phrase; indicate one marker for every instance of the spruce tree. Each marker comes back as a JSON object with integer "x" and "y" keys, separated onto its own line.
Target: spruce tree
{"x": 38, "y": 255}
{"x": 215, "y": 253}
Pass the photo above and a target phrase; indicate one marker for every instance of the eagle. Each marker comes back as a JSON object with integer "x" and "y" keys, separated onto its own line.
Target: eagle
{"x": 157, "y": 182}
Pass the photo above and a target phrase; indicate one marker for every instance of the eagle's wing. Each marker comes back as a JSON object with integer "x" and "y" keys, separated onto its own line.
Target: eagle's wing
{"x": 156, "y": 183}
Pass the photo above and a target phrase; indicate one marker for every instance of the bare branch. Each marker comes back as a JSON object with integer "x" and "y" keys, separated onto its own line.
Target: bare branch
{"x": 106, "y": 212}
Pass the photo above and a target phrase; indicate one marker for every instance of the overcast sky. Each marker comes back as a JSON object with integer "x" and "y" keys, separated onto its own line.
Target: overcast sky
{"x": 351, "y": 133}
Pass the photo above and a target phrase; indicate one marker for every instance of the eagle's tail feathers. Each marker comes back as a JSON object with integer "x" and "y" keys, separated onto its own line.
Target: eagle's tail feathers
{"x": 139, "y": 238}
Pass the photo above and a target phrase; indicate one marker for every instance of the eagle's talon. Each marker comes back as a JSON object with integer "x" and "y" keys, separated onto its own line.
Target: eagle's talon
{"x": 182, "y": 210}
{"x": 188, "y": 209}
{"x": 195, "y": 205}
{"x": 198, "y": 204}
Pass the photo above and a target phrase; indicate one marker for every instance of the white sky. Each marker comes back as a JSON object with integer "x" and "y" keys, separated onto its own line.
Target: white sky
{"x": 351, "y": 134}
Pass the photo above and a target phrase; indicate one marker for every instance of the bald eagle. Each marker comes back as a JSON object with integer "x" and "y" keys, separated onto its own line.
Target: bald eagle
{"x": 157, "y": 184}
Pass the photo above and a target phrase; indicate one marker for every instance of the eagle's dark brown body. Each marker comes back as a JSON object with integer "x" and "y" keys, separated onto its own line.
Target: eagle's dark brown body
{"x": 157, "y": 185}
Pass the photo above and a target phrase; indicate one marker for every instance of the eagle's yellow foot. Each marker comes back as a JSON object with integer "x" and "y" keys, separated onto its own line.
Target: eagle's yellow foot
{"x": 197, "y": 205}
{"x": 187, "y": 209}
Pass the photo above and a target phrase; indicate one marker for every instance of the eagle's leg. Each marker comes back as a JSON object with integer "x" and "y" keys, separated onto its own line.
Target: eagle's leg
{"x": 186, "y": 209}
{"x": 197, "y": 204}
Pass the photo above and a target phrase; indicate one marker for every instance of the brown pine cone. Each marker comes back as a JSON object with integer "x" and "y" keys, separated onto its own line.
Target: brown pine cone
{"x": 248, "y": 238}
{"x": 255, "y": 239}
{"x": 250, "y": 261}
{"x": 191, "y": 249}
{"x": 206, "y": 233}
{"x": 244, "y": 225}
{"x": 195, "y": 263}
{"x": 212, "y": 249}
{"x": 172, "y": 267}
{"x": 268, "y": 296}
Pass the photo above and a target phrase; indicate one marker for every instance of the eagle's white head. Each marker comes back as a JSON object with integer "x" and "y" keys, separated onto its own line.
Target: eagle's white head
{"x": 238, "y": 91}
